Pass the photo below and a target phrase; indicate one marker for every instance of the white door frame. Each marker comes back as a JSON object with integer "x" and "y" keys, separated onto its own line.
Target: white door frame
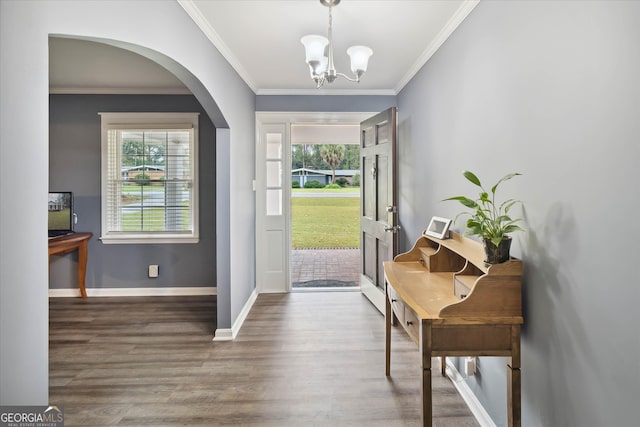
{"x": 264, "y": 246}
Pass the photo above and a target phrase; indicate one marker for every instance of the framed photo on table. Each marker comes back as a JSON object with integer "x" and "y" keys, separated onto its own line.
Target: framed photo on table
{"x": 438, "y": 227}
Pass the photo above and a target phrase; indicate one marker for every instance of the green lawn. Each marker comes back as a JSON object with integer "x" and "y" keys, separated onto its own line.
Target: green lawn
{"x": 330, "y": 222}
{"x": 153, "y": 219}
{"x": 139, "y": 188}
{"x": 59, "y": 220}
{"x": 326, "y": 190}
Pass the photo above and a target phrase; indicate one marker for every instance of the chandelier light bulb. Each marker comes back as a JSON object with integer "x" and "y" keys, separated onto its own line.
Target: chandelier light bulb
{"x": 359, "y": 58}
{"x": 314, "y": 47}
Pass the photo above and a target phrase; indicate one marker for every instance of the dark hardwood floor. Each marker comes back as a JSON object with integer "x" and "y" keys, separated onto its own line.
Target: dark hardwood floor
{"x": 301, "y": 359}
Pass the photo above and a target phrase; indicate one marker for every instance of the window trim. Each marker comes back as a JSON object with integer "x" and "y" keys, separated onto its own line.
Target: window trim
{"x": 124, "y": 120}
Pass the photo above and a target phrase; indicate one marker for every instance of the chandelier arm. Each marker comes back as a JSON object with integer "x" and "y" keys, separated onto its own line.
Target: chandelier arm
{"x": 351, "y": 79}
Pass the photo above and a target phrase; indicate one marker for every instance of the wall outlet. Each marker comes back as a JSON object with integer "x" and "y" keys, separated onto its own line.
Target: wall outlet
{"x": 153, "y": 270}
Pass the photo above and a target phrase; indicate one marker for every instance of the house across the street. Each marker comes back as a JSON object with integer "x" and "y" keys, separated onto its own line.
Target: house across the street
{"x": 154, "y": 172}
{"x": 323, "y": 176}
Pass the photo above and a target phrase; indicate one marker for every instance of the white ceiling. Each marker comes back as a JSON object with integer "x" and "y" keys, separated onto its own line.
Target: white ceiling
{"x": 79, "y": 66}
{"x": 261, "y": 40}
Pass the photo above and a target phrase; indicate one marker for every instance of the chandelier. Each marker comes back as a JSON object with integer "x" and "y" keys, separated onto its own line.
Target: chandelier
{"x": 321, "y": 65}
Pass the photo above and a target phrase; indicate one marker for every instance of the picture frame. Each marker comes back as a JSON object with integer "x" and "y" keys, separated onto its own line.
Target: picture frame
{"x": 438, "y": 227}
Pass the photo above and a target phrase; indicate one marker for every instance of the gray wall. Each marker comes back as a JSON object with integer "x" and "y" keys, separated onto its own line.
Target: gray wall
{"x": 25, "y": 27}
{"x": 548, "y": 89}
{"x": 74, "y": 165}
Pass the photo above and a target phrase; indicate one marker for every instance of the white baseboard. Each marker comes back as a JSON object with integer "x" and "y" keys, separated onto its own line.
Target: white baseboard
{"x": 345, "y": 289}
{"x": 223, "y": 335}
{"x": 230, "y": 334}
{"x": 134, "y": 292}
{"x": 478, "y": 411}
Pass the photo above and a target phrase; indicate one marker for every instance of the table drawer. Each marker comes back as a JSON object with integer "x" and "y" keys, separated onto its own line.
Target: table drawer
{"x": 462, "y": 285}
{"x": 411, "y": 324}
{"x": 396, "y": 304}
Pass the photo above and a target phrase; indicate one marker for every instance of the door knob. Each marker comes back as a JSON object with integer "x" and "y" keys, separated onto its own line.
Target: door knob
{"x": 393, "y": 229}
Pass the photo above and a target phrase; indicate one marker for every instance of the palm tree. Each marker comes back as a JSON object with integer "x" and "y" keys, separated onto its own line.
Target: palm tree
{"x": 333, "y": 155}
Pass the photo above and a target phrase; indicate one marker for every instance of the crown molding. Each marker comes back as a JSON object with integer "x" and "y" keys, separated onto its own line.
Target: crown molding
{"x": 350, "y": 92}
{"x": 314, "y": 117}
{"x": 463, "y": 11}
{"x": 119, "y": 91}
{"x": 195, "y": 14}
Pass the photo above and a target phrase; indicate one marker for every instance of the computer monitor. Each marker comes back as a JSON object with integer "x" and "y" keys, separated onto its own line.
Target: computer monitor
{"x": 60, "y": 211}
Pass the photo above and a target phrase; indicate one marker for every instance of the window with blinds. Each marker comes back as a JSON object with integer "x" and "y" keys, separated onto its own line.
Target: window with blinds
{"x": 149, "y": 178}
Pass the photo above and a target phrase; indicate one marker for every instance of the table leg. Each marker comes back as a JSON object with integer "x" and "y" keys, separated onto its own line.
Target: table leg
{"x": 513, "y": 380}
{"x": 82, "y": 267}
{"x": 513, "y": 402}
{"x": 388, "y": 313}
{"x": 425, "y": 353}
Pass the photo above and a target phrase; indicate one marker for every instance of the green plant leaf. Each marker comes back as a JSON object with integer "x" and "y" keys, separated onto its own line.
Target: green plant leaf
{"x": 471, "y": 177}
{"x": 474, "y": 228}
{"x": 507, "y": 204}
{"x": 496, "y": 240}
{"x": 459, "y": 215}
{"x": 465, "y": 201}
{"x": 503, "y": 179}
{"x": 511, "y": 228}
{"x": 472, "y": 223}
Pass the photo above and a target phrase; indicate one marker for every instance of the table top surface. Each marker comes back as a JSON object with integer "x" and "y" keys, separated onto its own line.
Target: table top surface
{"x": 69, "y": 239}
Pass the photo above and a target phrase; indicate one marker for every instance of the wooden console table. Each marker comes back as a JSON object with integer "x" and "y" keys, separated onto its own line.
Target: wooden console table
{"x": 69, "y": 243}
{"x": 453, "y": 304}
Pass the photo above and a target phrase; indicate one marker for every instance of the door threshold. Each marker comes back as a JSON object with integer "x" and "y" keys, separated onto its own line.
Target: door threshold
{"x": 324, "y": 289}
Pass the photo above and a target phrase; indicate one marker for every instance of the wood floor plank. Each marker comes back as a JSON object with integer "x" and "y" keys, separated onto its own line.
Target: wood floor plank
{"x": 301, "y": 359}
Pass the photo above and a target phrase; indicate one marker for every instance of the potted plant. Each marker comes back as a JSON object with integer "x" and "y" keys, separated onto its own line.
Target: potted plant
{"x": 490, "y": 219}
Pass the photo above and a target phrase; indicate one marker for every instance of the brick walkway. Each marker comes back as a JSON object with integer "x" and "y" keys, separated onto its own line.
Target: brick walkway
{"x": 325, "y": 267}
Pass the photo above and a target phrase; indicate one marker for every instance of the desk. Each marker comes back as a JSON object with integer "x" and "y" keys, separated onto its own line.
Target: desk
{"x": 453, "y": 304}
{"x": 69, "y": 243}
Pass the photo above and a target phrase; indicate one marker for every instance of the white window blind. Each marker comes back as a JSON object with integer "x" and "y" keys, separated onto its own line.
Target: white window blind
{"x": 149, "y": 188}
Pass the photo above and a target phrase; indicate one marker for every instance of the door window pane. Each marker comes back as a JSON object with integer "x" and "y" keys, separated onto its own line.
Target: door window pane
{"x": 274, "y": 146}
{"x": 274, "y": 202}
{"x": 274, "y": 174}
